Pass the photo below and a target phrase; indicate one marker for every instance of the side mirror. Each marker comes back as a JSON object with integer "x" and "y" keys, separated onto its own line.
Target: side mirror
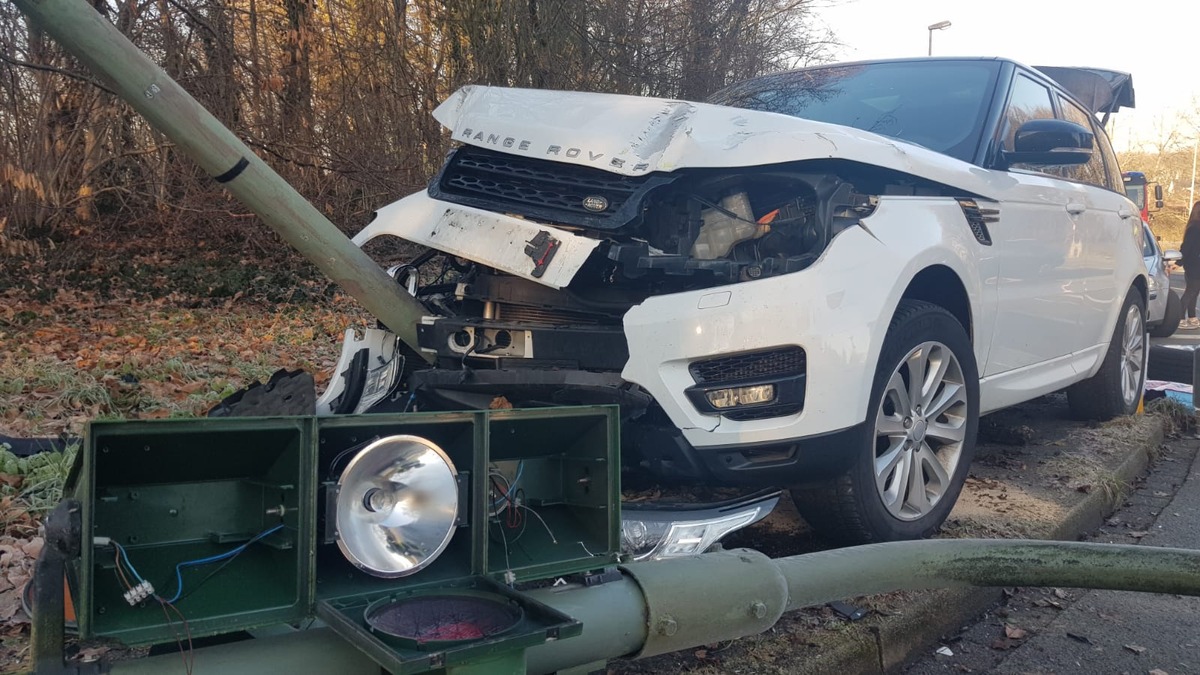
{"x": 1171, "y": 255}
{"x": 1050, "y": 142}
{"x": 1158, "y": 196}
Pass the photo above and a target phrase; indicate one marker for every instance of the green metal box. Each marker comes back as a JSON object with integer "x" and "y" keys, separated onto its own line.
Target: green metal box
{"x": 171, "y": 491}
{"x": 178, "y": 490}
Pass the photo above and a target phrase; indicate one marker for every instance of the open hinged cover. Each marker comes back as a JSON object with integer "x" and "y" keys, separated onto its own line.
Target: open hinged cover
{"x": 234, "y": 522}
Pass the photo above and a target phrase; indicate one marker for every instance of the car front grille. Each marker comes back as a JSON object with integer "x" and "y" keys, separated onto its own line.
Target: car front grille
{"x": 750, "y": 366}
{"x": 540, "y": 189}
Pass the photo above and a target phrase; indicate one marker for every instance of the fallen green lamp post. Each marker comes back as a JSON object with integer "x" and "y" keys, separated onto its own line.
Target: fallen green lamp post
{"x": 336, "y": 544}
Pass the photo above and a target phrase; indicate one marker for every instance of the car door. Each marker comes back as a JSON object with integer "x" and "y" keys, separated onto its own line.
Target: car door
{"x": 1103, "y": 229}
{"x": 1042, "y": 245}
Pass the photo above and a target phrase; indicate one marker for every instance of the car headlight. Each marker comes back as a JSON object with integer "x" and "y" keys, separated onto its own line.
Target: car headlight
{"x": 1152, "y": 285}
{"x": 666, "y": 532}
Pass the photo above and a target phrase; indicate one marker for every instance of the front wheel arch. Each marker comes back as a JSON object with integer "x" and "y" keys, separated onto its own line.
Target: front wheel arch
{"x": 941, "y": 286}
{"x": 852, "y": 507}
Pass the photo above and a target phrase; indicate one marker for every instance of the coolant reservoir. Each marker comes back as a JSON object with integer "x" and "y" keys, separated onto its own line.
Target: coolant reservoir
{"x": 720, "y": 231}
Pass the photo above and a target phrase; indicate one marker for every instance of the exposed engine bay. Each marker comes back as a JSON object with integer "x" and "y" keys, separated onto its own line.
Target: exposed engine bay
{"x": 503, "y": 340}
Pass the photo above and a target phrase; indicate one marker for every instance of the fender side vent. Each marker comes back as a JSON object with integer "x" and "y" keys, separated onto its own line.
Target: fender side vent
{"x": 978, "y": 219}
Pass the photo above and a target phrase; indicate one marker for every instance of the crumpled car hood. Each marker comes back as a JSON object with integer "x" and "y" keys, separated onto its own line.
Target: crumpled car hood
{"x": 633, "y": 135}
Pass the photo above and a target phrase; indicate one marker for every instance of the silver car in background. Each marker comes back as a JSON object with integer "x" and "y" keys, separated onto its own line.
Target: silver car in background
{"x": 1165, "y": 308}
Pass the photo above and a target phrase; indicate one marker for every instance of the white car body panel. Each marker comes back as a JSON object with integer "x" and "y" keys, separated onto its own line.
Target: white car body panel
{"x": 1016, "y": 386}
{"x": 490, "y": 238}
{"x": 633, "y": 136}
{"x": 1044, "y": 297}
{"x": 1059, "y": 271}
{"x": 820, "y": 309}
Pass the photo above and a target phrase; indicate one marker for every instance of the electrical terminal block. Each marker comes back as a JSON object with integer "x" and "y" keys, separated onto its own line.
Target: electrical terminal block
{"x": 139, "y": 593}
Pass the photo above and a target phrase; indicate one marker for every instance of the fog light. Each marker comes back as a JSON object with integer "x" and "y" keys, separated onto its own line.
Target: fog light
{"x": 729, "y": 398}
{"x": 397, "y": 503}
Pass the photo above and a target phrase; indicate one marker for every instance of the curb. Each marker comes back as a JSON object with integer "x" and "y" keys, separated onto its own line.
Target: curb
{"x": 881, "y": 644}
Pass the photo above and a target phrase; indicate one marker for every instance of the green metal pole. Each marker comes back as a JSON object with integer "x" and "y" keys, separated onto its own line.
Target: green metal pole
{"x": 688, "y": 602}
{"x": 818, "y": 578}
{"x": 171, "y": 110}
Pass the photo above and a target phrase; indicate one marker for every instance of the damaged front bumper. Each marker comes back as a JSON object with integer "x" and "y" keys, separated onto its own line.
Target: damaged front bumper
{"x": 368, "y": 370}
{"x": 667, "y": 357}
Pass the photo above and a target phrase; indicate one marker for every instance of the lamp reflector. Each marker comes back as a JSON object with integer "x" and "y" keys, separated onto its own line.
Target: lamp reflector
{"x": 397, "y": 505}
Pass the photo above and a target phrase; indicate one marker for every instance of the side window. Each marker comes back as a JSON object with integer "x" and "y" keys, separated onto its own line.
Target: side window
{"x": 1115, "y": 182}
{"x": 1029, "y": 100}
{"x": 1094, "y": 172}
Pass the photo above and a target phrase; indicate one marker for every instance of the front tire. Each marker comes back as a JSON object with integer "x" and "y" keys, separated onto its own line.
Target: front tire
{"x": 1116, "y": 388}
{"x": 912, "y": 456}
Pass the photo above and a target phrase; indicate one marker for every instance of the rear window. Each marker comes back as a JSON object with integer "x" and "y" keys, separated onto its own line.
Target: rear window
{"x": 938, "y": 104}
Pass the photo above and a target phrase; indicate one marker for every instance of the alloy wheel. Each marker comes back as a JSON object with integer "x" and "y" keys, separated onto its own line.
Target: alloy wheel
{"x": 920, "y": 429}
{"x": 1133, "y": 355}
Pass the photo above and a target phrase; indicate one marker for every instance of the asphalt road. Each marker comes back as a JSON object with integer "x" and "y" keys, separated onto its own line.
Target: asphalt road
{"x": 1076, "y": 631}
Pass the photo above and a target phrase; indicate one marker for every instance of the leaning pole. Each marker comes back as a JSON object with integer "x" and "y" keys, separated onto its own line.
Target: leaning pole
{"x": 171, "y": 110}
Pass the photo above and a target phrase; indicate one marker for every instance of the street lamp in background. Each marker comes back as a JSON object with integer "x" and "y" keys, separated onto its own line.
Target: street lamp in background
{"x": 941, "y": 25}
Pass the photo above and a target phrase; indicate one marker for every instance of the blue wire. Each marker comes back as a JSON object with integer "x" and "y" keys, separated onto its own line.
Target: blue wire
{"x": 123, "y": 554}
{"x": 212, "y": 559}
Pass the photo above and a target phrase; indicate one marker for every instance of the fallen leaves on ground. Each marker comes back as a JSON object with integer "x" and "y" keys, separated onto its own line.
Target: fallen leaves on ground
{"x": 76, "y": 357}
{"x": 19, "y": 548}
{"x": 1013, "y": 633}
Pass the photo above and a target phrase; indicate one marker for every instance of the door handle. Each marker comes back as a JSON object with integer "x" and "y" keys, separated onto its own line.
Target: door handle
{"x": 1125, "y": 212}
{"x": 1076, "y": 208}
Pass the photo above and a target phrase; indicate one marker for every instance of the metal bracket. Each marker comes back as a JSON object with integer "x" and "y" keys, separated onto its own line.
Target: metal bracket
{"x": 63, "y": 532}
{"x": 541, "y": 250}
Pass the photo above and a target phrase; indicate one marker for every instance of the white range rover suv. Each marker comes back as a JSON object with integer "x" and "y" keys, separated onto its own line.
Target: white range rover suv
{"x": 818, "y": 279}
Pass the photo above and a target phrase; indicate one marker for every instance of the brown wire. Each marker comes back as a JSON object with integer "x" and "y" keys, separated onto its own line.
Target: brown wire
{"x": 187, "y": 667}
{"x": 189, "y": 654}
{"x": 120, "y": 573}
{"x": 188, "y": 631}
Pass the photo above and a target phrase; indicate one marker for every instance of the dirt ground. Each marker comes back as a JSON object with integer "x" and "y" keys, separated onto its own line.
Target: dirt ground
{"x": 1032, "y": 465}
{"x": 70, "y": 354}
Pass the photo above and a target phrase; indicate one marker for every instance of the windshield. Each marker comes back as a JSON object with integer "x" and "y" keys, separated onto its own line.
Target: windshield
{"x": 937, "y": 104}
{"x": 1136, "y": 194}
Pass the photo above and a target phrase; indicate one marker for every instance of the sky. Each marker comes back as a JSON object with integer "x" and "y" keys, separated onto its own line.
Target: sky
{"x": 1157, "y": 42}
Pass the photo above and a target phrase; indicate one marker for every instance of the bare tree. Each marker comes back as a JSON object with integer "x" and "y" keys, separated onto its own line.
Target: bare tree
{"x": 338, "y": 94}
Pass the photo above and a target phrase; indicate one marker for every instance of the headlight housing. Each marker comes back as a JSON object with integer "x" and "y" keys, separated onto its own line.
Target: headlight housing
{"x": 654, "y": 533}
